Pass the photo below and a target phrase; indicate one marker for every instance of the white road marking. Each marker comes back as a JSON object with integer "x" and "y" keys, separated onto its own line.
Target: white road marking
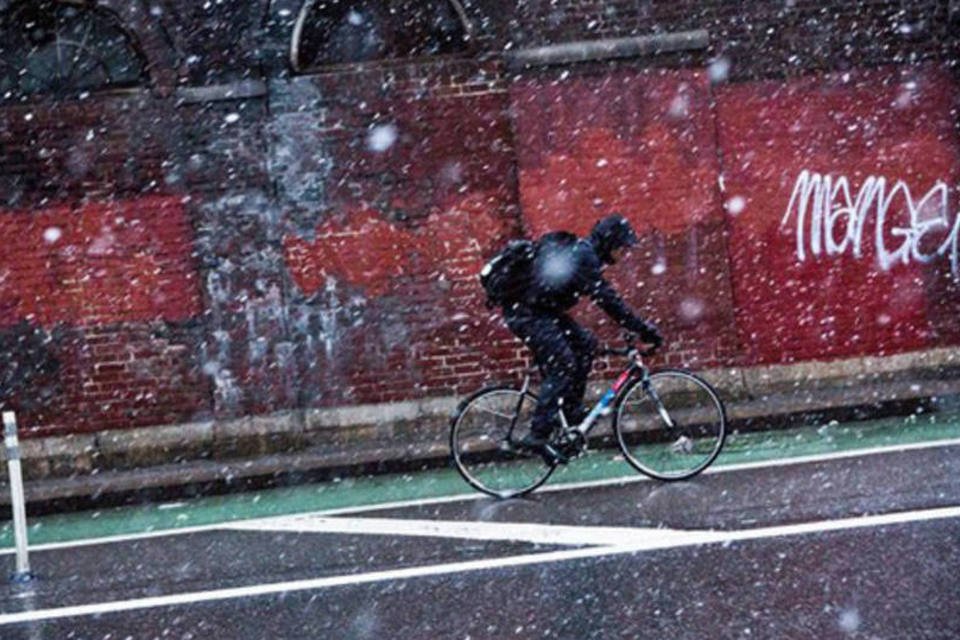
{"x": 639, "y": 538}
{"x": 670, "y": 539}
{"x": 534, "y": 533}
{"x": 473, "y": 495}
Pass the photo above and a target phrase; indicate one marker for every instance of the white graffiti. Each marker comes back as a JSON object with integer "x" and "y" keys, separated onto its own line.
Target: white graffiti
{"x": 831, "y": 220}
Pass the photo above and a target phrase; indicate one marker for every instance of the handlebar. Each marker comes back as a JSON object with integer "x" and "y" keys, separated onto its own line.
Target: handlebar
{"x": 626, "y": 352}
{"x": 629, "y": 351}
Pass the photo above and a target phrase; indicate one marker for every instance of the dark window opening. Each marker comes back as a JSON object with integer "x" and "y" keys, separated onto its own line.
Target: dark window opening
{"x": 63, "y": 49}
{"x": 349, "y": 31}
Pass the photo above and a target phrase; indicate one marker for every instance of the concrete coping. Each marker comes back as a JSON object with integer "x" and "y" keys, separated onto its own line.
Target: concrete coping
{"x": 761, "y": 379}
{"x": 607, "y": 49}
{"x": 377, "y": 413}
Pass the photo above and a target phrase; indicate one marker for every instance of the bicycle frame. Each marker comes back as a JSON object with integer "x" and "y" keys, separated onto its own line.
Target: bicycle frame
{"x": 604, "y": 405}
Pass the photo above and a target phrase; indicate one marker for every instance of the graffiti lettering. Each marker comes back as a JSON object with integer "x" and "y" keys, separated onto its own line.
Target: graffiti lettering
{"x": 830, "y": 220}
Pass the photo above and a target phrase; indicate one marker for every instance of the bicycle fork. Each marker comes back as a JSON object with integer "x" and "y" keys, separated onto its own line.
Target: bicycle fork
{"x": 653, "y": 395}
{"x": 683, "y": 444}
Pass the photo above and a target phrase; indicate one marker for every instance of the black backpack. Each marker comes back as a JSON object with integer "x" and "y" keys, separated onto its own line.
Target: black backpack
{"x": 507, "y": 276}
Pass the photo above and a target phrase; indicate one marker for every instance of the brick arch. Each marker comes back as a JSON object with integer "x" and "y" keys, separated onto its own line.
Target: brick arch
{"x": 150, "y": 38}
{"x": 306, "y": 9}
{"x": 143, "y": 37}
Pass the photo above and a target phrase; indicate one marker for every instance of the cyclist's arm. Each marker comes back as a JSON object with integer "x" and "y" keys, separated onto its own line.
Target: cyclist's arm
{"x": 606, "y": 297}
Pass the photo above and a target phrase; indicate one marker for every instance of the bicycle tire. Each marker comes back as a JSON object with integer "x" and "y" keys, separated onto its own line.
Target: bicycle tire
{"x": 481, "y": 443}
{"x": 675, "y": 452}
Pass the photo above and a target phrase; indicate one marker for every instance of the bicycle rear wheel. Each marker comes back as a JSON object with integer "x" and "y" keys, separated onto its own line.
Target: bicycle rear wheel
{"x": 483, "y": 443}
{"x": 673, "y": 429}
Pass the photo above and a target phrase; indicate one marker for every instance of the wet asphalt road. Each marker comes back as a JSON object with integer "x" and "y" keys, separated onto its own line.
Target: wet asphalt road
{"x": 892, "y": 581}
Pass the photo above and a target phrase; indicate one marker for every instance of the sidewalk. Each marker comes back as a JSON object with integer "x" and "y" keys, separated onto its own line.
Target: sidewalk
{"x": 168, "y": 462}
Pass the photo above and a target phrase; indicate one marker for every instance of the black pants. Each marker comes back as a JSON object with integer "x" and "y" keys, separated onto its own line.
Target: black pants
{"x": 564, "y": 352}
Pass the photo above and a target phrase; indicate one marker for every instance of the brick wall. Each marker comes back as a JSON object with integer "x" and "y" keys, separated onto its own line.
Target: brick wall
{"x": 111, "y": 287}
{"x": 640, "y": 142}
{"x": 875, "y": 271}
{"x": 235, "y": 238}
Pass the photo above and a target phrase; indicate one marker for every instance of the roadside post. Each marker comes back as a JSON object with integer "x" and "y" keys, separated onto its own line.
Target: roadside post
{"x": 17, "y": 501}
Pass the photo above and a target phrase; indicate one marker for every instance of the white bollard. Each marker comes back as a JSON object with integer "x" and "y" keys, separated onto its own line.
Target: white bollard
{"x": 17, "y": 501}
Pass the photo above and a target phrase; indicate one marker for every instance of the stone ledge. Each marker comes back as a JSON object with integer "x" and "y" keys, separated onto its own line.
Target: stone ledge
{"x": 155, "y": 445}
{"x": 922, "y": 364}
{"x": 374, "y": 413}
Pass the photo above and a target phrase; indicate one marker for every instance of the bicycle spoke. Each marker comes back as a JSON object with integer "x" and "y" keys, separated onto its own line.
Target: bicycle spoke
{"x": 500, "y": 414}
{"x": 482, "y": 441}
{"x": 673, "y": 428}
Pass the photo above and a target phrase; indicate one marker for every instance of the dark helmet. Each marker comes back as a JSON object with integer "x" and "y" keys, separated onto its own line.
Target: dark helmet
{"x": 610, "y": 234}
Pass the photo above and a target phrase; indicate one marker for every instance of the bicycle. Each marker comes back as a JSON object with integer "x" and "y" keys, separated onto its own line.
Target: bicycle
{"x": 669, "y": 424}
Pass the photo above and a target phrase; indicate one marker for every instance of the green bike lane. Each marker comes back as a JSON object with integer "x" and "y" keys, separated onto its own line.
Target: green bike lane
{"x": 773, "y": 446}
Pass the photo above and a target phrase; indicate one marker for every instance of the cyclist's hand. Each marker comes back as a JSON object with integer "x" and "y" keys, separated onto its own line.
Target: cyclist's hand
{"x": 650, "y": 335}
{"x": 645, "y": 347}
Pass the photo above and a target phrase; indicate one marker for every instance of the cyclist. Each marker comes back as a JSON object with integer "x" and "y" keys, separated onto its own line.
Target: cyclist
{"x": 562, "y": 269}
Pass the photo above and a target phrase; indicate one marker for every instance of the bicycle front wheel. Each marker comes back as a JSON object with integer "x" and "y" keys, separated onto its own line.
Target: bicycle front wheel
{"x": 672, "y": 426}
{"x": 484, "y": 434}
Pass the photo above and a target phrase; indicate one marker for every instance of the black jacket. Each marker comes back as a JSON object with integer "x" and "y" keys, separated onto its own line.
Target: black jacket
{"x": 565, "y": 269}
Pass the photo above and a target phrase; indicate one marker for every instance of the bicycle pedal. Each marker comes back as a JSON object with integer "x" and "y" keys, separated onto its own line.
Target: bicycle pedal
{"x": 571, "y": 452}
{"x": 553, "y": 455}
{"x": 572, "y": 448}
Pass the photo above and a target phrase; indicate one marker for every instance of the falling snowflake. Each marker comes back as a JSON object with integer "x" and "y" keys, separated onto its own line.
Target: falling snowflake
{"x": 736, "y": 205}
{"x": 52, "y": 234}
{"x": 719, "y": 69}
{"x": 381, "y": 137}
{"x": 355, "y": 18}
{"x": 691, "y": 309}
{"x": 849, "y": 620}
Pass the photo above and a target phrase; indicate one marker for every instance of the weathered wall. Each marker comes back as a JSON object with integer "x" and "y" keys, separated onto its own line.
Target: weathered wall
{"x": 117, "y": 286}
{"x": 234, "y": 238}
{"x": 845, "y": 191}
{"x": 640, "y": 142}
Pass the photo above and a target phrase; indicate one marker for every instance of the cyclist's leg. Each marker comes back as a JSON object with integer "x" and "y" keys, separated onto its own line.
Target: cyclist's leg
{"x": 584, "y": 346}
{"x": 543, "y": 334}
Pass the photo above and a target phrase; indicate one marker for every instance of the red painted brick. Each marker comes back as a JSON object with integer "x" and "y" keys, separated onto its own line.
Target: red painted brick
{"x": 856, "y": 124}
